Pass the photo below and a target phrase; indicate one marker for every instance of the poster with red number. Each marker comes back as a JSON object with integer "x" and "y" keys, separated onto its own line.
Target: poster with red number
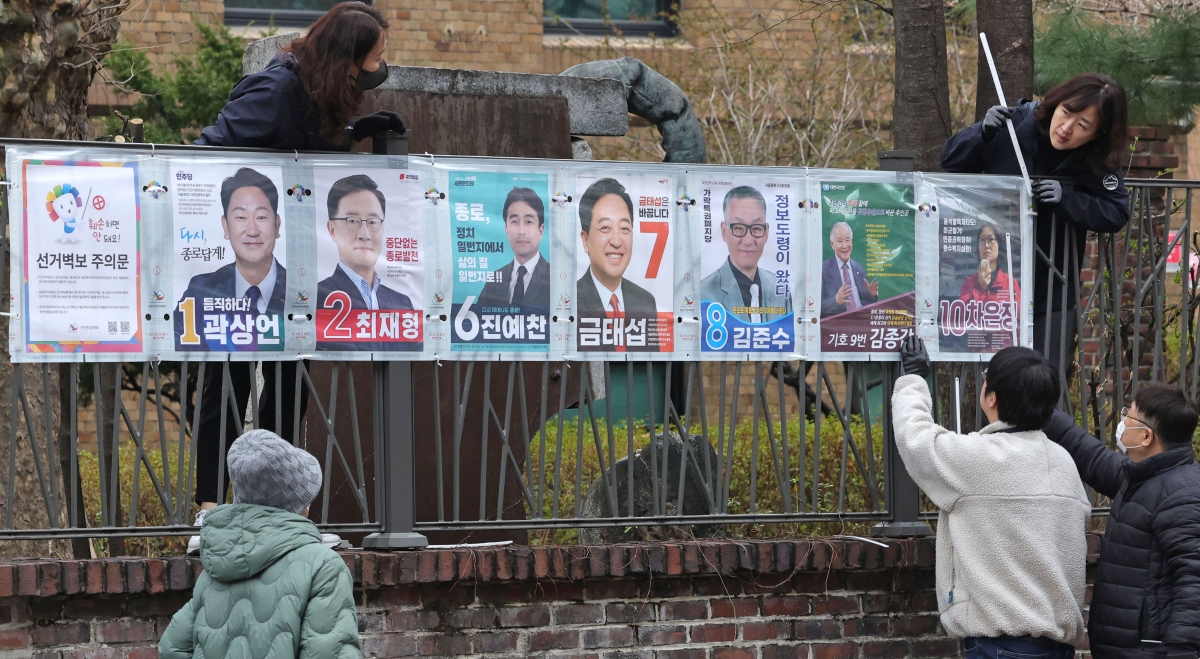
{"x": 624, "y": 293}
{"x": 369, "y": 259}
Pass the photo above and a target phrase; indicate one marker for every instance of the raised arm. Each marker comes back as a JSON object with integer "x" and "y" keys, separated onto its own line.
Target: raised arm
{"x": 1100, "y": 468}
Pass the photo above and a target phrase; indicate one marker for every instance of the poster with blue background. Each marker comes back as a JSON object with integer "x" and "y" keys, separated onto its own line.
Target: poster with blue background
{"x": 500, "y": 245}
{"x": 748, "y": 244}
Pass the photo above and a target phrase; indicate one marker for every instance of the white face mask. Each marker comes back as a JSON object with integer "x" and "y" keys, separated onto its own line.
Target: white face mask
{"x": 1121, "y": 428}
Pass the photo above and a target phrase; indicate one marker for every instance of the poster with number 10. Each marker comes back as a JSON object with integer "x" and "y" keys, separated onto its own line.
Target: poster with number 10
{"x": 624, "y": 295}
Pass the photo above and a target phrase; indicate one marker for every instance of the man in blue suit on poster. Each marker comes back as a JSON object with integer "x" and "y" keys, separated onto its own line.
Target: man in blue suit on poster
{"x": 844, "y": 285}
{"x": 357, "y": 210}
{"x": 250, "y": 221}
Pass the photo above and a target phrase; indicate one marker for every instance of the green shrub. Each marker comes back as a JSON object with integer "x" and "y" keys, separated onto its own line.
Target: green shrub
{"x": 150, "y": 511}
{"x": 768, "y": 493}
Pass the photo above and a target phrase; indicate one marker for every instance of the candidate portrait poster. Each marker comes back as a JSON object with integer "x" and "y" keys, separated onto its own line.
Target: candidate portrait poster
{"x": 499, "y": 237}
{"x": 370, "y": 242}
{"x": 82, "y": 288}
{"x": 624, "y": 294}
{"x": 747, "y": 247}
{"x": 867, "y": 281}
{"x": 229, "y": 257}
{"x": 979, "y": 268}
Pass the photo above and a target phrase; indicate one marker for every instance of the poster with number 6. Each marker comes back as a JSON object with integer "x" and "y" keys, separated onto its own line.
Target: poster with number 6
{"x": 624, "y": 294}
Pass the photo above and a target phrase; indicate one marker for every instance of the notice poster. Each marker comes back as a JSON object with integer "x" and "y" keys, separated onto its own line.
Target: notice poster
{"x": 624, "y": 296}
{"x": 82, "y": 271}
{"x": 979, "y": 268}
{"x": 867, "y": 280}
{"x": 229, "y": 255}
{"x": 500, "y": 245}
{"x": 370, "y": 241}
{"x": 747, "y": 247}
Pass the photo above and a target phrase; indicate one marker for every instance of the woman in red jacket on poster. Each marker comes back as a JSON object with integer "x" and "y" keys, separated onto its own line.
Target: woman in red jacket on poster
{"x": 990, "y": 283}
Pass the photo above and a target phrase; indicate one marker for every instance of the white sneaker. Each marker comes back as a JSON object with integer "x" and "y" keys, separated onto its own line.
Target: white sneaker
{"x": 329, "y": 540}
{"x": 194, "y": 541}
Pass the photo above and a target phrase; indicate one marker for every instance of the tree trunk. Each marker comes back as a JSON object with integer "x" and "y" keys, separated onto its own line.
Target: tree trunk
{"x": 1008, "y": 25}
{"x": 49, "y": 51}
{"x": 921, "y": 110}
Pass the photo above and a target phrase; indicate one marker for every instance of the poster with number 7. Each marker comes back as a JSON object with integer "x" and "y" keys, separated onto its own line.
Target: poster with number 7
{"x": 624, "y": 295}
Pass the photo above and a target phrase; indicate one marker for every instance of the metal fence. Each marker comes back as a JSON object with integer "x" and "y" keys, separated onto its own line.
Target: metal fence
{"x": 600, "y": 452}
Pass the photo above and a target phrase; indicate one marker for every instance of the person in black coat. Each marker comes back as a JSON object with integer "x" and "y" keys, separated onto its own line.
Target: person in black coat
{"x": 1146, "y": 595}
{"x": 526, "y": 279}
{"x": 303, "y": 101}
{"x": 357, "y": 212}
{"x": 1076, "y": 135}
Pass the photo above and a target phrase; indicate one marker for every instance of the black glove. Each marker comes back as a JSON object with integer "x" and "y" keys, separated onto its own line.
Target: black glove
{"x": 994, "y": 120}
{"x": 913, "y": 358}
{"x": 375, "y": 124}
{"x": 1048, "y": 191}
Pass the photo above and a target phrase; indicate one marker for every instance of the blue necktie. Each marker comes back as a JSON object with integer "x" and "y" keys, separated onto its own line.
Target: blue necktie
{"x": 255, "y": 295}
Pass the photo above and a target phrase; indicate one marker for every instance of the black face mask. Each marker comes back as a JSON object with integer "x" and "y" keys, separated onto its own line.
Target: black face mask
{"x": 371, "y": 79}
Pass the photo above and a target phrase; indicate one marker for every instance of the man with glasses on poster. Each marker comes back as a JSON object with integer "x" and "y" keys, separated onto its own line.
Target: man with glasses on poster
{"x": 739, "y": 285}
{"x": 356, "y": 215}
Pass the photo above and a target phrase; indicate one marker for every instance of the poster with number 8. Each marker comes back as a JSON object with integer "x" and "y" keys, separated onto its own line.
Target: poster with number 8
{"x": 624, "y": 294}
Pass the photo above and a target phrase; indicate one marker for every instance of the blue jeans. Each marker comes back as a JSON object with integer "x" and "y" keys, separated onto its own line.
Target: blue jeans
{"x": 1016, "y": 647}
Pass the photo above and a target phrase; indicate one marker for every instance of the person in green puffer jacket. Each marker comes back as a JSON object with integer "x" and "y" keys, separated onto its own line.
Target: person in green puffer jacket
{"x": 269, "y": 589}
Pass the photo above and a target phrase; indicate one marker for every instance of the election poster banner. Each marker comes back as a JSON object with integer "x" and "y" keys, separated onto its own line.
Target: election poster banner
{"x": 624, "y": 294}
{"x": 748, "y": 245}
{"x": 979, "y": 268}
{"x": 499, "y": 239}
{"x": 370, "y": 243}
{"x": 867, "y": 278}
{"x": 81, "y": 279}
{"x": 229, "y": 254}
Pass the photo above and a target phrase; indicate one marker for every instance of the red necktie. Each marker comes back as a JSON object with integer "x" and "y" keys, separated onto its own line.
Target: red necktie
{"x": 616, "y": 305}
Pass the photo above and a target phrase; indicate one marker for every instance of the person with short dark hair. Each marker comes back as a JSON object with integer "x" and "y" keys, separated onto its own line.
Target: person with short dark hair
{"x": 355, "y": 221}
{"x": 606, "y": 229}
{"x": 526, "y": 279}
{"x": 1146, "y": 595}
{"x": 1012, "y": 512}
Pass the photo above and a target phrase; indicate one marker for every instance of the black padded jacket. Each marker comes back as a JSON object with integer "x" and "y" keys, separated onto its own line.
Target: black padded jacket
{"x": 1146, "y": 596}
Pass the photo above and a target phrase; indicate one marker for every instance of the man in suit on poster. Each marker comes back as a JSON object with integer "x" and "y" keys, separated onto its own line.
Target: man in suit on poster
{"x": 739, "y": 283}
{"x": 606, "y": 223}
{"x": 526, "y": 279}
{"x": 844, "y": 285}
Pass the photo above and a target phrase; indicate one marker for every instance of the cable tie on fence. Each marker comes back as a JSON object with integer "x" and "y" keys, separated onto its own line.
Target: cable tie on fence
{"x": 297, "y": 155}
{"x": 859, "y": 537}
{"x": 432, "y": 163}
{"x": 9, "y": 184}
{"x": 152, "y": 149}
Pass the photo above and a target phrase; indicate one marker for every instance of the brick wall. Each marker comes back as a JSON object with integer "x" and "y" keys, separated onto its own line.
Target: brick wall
{"x": 818, "y": 598}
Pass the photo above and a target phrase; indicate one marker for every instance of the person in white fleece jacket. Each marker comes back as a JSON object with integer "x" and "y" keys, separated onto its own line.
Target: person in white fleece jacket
{"x": 1012, "y": 510}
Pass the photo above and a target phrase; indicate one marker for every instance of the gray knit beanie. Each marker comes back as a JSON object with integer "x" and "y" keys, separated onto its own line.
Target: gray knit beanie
{"x": 268, "y": 471}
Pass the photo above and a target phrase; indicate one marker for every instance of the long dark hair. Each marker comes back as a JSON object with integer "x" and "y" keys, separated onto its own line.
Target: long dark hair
{"x": 1103, "y": 153}
{"x": 1001, "y": 247}
{"x": 345, "y": 35}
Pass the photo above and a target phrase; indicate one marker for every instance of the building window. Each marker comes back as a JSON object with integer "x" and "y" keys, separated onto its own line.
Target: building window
{"x": 631, "y": 18}
{"x": 281, "y": 13}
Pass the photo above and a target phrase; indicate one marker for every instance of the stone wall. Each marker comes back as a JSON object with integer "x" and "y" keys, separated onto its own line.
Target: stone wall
{"x": 801, "y": 599}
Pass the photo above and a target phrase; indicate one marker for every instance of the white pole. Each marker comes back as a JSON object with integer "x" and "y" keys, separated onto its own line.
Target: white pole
{"x": 1012, "y": 132}
{"x": 957, "y": 408}
{"x": 1011, "y": 298}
